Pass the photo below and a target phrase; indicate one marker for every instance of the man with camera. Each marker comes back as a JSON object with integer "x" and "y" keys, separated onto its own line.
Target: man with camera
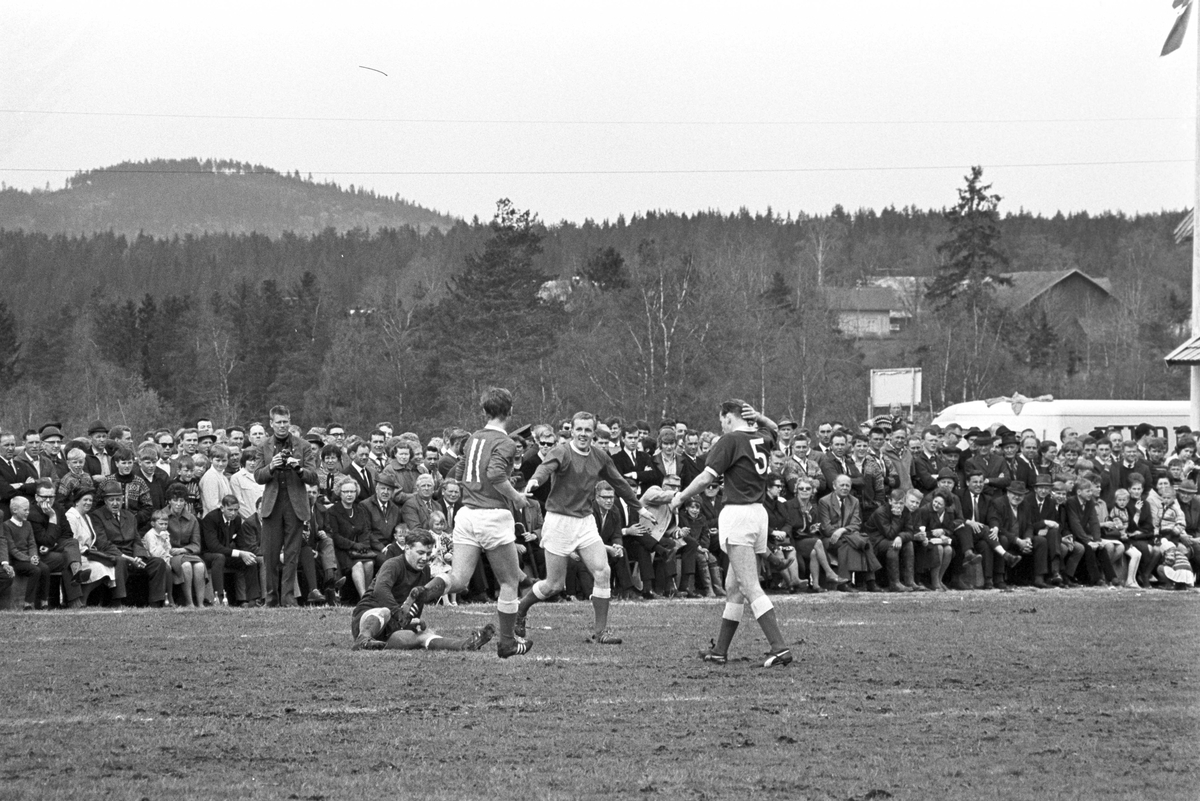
{"x": 285, "y": 463}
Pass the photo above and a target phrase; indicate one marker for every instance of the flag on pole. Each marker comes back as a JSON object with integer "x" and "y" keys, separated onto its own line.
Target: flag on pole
{"x": 1175, "y": 37}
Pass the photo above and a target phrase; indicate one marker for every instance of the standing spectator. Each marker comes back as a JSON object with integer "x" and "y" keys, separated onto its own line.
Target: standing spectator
{"x": 99, "y": 463}
{"x": 243, "y": 486}
{"x": 155, "y": 477}
{"x": 214, "y": 484}
{"x": 52, "y": 448}
{"x": 16, "y": 476}
{"x": 286, "y": 463}
{"x": 40, "y": 465}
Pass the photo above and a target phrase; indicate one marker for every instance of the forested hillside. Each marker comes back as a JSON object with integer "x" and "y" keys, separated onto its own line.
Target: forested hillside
{"x": 170, "y": 197}
{"x": 660, "y": 313}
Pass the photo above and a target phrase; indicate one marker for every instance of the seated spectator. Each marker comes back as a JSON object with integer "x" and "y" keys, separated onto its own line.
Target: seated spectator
{"x": 19, "y": 549}
{"x": 418, "y": 509}
{"x": 1116, "y": 536}
{"x": 892, "y": 541}
{"x": 118, "y": 527}
{"x": 350, "y": 528}
{"x": 96, "y": 556}
{"x": 185, "y": 545}
{"x": 225, "y": 549}
{"x": 934, "y": 538}
{"x": 214, "y": 484}
{"x": 806, "y": 533}
{"x": 841, "y": 529}
{"x": 56, "y": 546}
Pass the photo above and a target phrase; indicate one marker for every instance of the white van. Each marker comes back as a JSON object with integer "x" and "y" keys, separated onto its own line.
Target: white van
{"x": 1048, "y": 418}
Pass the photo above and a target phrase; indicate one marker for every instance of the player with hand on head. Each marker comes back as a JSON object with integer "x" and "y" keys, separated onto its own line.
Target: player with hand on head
{"x": 381, "y": 621}
{"x": 742, "y": 458}
{"x": 575, "y": 467}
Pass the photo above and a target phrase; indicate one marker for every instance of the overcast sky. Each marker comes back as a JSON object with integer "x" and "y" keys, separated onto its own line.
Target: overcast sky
{"x": 578, "y": 111}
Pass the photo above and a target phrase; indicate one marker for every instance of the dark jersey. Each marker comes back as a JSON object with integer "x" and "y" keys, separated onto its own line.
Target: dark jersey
{"x": 487, "y": 461}
{"x": 393, "y": 583}
{"x": 743, "y": 459}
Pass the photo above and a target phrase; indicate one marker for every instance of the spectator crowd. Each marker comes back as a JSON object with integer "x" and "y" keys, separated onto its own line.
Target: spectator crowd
{"x": 264, "y": 515}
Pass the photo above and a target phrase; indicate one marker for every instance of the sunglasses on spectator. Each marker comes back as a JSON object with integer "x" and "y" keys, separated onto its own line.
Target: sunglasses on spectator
{"x": 549, "y": 443}
{"x": 166, "y": 444}
{"x": 803, "y": 488}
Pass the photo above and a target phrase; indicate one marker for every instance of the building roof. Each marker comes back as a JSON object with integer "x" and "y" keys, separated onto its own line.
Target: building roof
{"x": 1028, "y": 286}
{"x": 1186, "y": 354}
{"x": 880, "y": 299}
{"x": 1186, "y": 227}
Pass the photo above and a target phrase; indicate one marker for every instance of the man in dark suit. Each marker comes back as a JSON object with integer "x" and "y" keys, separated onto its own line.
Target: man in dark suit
{"x": 925, "y": 462}
{"x": 1083, "y": 520}
{"x": 384, "y": 515}
{"x": 56, "y": 546}
{"x": 971, "y": 541}
{"x": 16, "y": 475}
{"x": 52, "y": 439}
{"x": 837, "y": 462}
{"x": 228, "y": 547}
{"x": 39, "y": 464}
{"x": 1011, "y": 523}
{"x": 1048, "y": 524}
{"x": 635, "y": 464}
{"x": 285, "y": 464}
{"x": 611, "y": 524}
{"x": 1121, "y": 471}
{"x": 98, "y": 462}
{"x": 118, "y": 527}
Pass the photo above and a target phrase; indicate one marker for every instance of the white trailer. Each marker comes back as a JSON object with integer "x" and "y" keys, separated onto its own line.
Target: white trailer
{"x": 1048, "y": 417}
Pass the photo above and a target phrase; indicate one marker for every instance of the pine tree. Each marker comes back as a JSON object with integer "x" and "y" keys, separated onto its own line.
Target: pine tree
{"x": 972, "y": 256}
{"x": 494, "y": 314}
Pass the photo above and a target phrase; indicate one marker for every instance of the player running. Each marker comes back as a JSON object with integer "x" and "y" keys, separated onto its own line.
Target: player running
{"x": 381, "y": 621}
{"x": 741, "y": 456}
{"x": 575, "y": 467}
{"x": 485, "y": 523}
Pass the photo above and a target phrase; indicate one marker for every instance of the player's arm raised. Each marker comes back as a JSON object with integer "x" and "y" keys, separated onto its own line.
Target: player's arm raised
{"x": 750, "y": 415}
{"x": 498, "y": 475}
{"x": 547, "y": 468}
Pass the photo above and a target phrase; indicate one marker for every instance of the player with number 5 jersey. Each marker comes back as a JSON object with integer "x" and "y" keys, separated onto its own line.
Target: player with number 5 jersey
{"x": 741, "y": 458}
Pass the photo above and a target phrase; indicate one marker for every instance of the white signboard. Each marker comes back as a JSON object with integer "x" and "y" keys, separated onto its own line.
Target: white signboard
{"x": 898, "y": 385}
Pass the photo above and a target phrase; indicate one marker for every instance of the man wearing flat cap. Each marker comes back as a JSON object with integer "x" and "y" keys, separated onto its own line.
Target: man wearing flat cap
{"x": 52, "y": 439}
{"x": 117, "y": 526}
{"x": 98, "y": 462}
{"x": 1010, "y": 534}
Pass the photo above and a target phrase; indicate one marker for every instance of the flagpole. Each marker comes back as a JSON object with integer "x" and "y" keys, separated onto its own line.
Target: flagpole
{"x": 1195, "y": 388}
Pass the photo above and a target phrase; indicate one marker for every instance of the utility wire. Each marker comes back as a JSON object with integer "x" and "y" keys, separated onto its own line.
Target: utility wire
{"x": 731, "y": 171}
{"x": 548, "y": 122}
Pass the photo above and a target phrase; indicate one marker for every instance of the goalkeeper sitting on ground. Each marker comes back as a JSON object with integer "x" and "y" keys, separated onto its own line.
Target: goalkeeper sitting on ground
{"x": 381, "y": 621}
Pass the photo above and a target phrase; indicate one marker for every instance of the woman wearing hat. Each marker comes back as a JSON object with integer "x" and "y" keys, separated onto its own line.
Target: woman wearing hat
{"x": 98, "y": 557}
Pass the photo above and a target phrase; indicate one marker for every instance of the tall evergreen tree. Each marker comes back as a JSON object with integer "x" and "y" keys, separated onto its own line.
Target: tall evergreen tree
{"x": 495, "y": 313}
{"x": 972, "y": 258}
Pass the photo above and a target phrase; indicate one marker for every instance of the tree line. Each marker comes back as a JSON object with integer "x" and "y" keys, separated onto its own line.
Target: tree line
{"x": 656, "y": 315}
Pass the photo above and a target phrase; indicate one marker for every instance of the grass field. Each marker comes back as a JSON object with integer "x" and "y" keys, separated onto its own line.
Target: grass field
{"x": 1071, "y": 694}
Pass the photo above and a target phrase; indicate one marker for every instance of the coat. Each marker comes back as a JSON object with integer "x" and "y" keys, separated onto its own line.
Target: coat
{"x": 294, "y": 480}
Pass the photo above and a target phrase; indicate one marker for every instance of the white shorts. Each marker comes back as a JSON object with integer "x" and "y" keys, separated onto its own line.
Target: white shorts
{"x": 563, "y": 536}
{"x": 486, "y": 529}
{"x": 743, "y": 524}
